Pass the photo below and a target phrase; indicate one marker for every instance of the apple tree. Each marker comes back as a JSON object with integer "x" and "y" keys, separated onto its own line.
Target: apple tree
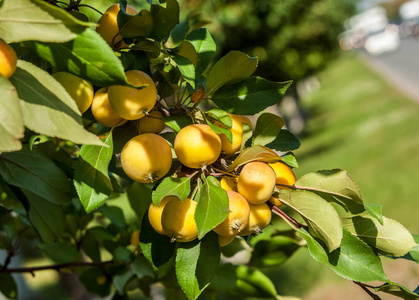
{"x": 135, "y": 108}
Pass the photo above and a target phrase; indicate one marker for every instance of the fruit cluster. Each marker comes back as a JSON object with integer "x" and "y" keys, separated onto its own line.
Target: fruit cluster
{"x": 198, "y": 146}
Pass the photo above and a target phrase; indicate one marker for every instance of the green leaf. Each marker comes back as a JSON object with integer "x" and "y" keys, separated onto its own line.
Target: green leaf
{"x": 11, "y": 121}
{"x": 354, "y": 260}
{"x": 322, "y": 219}
{"x": 142, "y": 268}
{"x": 186, "y": 68}
{"x": 61, "y": 252}
{"x": 165, "y": 17}
{"x": 273, "y": 252}
{"x": 397, "y": 290}
{"x": 8, "y": 286}
{"x": 90, "y": 245}
{"x": 87, "y": 56}
{"x": 220, "y": 130}
{"x": 121, "y": 279}
{"x": 251, "y": 96}
{"x": 375, "y": 210}
{"x": 177, "y": 122}
{"x": 196, "y": 264}
{"x": 267, "y": 128}
{"x": 46, "y": 106}
{"x": 284, "y": 141}
{"x": 205, "y": 46}
{"x": 212, "y": 207}
{"x": 178, "y": 187}
{"x": 335, "y": 186}
{"x": 290, "y": 160}
{"x": 115, "y": 214}
{"x": 414, "y": 253}
{"x": 35, "y": 172}
{"x": 138, "y": 25}
{"x": 219, "y": 115}
{"x": 243, "y": 282}
{"x": 24, "y": 20}
{"x": 390, "y": 238}
{"x": 91, "y": 177}
{"x": 235, "y": 66}
{"x": 255, "y": 153}
{"x": 156, "y": 248}
{"x": 139, "y": 197}
{"x": 95, "y": 281}
{"x": 179, "y": 33}
{"x": 47, "y": 218}
{"x": 254, "y": 282}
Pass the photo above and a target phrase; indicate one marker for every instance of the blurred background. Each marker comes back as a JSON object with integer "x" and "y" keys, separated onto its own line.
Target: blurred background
{"x": 354, "y": 105}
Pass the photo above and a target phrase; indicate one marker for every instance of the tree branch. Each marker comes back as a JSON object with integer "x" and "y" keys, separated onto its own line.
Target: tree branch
{"x": 56, "y": 267}
{"x": 364, "y": 287}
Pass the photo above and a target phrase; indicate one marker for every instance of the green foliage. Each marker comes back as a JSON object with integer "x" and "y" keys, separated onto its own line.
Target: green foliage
{"x": 61, "y": 185}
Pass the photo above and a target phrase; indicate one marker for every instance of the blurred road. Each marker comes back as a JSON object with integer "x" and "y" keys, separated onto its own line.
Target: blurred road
{"x": 400, "y": 68}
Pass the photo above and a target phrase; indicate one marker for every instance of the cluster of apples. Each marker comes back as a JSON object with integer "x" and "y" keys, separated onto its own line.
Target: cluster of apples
{"x": 249, "y": 190}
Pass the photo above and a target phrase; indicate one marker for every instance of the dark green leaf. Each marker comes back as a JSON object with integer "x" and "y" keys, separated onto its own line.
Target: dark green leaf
{"x": 397, "y": 290}
{"x": 391, "y": 238}
{"x": 212, "y": 207}
{"x": 250, "y": 96}
{"x": 196, "y": 264}
{"x": 24, "y": 20}
{"x": 61, "y": 252}
{"x": 95, "y": 281}
{"x": 35, "y": 172}
{"x": 335, "y": 186}
{"x": 354, "y": 260}
{"x": 114, "y": 214}
{"x": 138, "y": 25}
{"x": 205, "y": 47}
{"x": 91, "y": 177}
{"x": 186, "y": 68}
{"x": 267, "y": 128}
{"x": 243, "y": 282}
{"x": 142, "y": 268}
{"x": 90, "y": 245}
{"x": 87, "y": 56}
{"x": 255, "y": 153}
{"x": 47, "y": 218}
{"x": 166, "y": 18}
{"x": 122, "y": 255}
{"x": 46, "y": 106}
{"x": 179, "y": 187}
{"x": 273, "y": 252}
{"x": 284, "y": 141}
{"x": 11, "y": 121}
{"x": 8, "y": 286}
{"x": 139, "y": 197}
{"x": 120, "y": 280}
{"x": 177, "y": 122}
{"x": 322, "y": 219}
{"x": 156, "y": 248}
{"x": 179, "y": 33}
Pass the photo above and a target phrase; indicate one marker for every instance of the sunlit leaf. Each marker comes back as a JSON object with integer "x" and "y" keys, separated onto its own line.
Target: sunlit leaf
{"x": 235, "y": 66}
{"x": 28, "y": 20}
{"x": 91, "y": 177}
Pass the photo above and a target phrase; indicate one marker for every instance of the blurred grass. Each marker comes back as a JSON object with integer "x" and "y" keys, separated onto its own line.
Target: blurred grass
{"x": 359, "y": 123}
